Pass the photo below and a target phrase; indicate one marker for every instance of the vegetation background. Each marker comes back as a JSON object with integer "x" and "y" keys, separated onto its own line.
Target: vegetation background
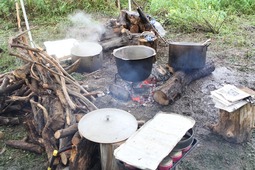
{"x": 210, "y": 16}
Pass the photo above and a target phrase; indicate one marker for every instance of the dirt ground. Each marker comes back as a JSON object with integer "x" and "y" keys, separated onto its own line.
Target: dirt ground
{"x": 212, "y": 151}
{"x": 233, "y": 66}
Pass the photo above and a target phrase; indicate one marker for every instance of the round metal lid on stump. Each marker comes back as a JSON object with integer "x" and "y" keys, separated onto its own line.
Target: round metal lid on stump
{"x": 108, "y": 125}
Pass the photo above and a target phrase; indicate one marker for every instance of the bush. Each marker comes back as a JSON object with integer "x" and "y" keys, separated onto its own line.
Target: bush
{"x": 190, "y": 15}
{"x": 238, "y": 6}
{"x": 50, "y": 8}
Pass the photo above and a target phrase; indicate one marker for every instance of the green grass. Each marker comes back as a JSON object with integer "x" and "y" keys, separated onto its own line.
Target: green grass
{"x": 16, "y": 158}
{"x": 199, "y": 15}
{"x": 7, "y": 62}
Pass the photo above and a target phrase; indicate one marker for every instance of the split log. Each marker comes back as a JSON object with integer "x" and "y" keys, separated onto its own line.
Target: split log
{"x": 174, "y": 86}
{"x": 70, "y": 131}
{"x": 85, "y": 156}
{"x": 20, "y": 144}
{"x": 9, "y": 120}
{"x": 76, "y": 138}
{"x": 236, "y": 126}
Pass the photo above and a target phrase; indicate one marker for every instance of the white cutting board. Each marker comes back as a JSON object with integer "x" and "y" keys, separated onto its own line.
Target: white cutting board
{"x": 154, "y": 140}
{"x": 61, "y": 49}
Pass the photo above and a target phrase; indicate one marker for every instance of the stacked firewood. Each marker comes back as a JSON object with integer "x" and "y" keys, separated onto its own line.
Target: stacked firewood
{"x": 125, "y": 30}
{"x": 51, "y": 102}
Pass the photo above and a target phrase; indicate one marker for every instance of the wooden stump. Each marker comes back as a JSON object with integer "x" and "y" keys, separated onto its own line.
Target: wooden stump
{"x": 236, "y": 126}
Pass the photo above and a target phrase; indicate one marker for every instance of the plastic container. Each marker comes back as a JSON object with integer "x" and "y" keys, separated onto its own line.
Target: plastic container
{"x": 166, "y": 163}
{"x": 176, "y": 155}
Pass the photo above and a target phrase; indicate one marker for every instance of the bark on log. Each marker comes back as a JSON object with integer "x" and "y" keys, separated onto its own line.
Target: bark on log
{"x": 12, "y": 88}
{"x": 78, "y": 116}
{"x": 20, "y": 144}
{"x": 174, "y": 86}
{"x": 9, "y": 120}
{"x": 76, "y": 138}
{"x": 33, "y": 135}
{"x": 236, "y": 126}
{"x": 85, "y": 156}
{"x": 70, "y": 131}
{"x": 56, "y": 121}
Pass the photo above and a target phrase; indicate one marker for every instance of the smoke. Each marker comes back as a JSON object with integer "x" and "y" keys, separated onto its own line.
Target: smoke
{"x": 84, "y": 28}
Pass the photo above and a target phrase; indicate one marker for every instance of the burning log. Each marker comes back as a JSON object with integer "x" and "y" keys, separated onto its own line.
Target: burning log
{"x": 119, "y": 92}
{"x": 174, "y": 86}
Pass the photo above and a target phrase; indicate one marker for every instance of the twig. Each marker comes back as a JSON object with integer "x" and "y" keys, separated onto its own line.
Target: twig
{"x": 45, "y": 112}
{"x": 20, "y": 98}
{"x": 89, "y": 104}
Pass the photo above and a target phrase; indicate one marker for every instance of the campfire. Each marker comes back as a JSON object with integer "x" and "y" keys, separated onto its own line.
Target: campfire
{"x": 53, "y": 102}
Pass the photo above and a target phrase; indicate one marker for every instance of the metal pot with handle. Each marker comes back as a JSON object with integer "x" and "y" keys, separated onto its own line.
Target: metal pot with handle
{"x": 91, "y": 56}
{"x": 187, "y": 55}
{"x": 134, "y": 63}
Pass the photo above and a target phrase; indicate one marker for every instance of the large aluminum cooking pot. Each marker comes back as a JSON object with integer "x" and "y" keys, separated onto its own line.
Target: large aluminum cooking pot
{"x": 90, "y": 54}
{"x": 134, "y": 63}
{"x": 187, "y": 55}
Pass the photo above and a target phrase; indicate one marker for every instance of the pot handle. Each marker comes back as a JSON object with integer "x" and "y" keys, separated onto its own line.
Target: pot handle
{"x": 207, "y": 42}
{"x": 114, "y": 51}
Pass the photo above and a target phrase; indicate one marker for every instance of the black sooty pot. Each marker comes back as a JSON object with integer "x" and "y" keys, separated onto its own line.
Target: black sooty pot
{"x": 187, "y": 55}
{"x": 134, "y": 63}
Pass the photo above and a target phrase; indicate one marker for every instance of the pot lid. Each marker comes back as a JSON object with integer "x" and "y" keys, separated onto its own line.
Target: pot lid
{"x": 107, "y": 125}
{"x": 86, "y": 49}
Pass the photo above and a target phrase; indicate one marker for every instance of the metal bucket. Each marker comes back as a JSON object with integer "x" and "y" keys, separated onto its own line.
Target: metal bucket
{"x": 134, "y": 63}
{"x": 90, "y": 54}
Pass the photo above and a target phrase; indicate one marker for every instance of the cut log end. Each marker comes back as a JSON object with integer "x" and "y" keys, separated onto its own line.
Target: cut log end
{"x": 160, "y": 98}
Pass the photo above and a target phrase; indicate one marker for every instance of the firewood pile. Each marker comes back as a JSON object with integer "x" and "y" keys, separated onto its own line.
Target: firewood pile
{"x": 125, "y": 30}
{"x": 50, "y": 101}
